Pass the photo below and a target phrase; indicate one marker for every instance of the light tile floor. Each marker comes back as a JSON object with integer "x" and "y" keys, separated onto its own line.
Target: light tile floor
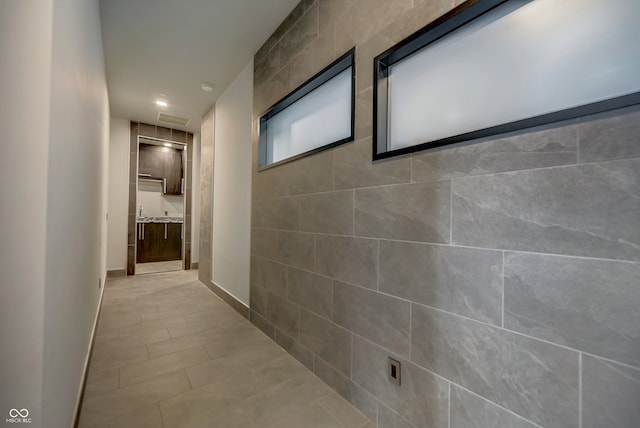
{"x": 171, "y": 354}
{"x": 155, "y": 267}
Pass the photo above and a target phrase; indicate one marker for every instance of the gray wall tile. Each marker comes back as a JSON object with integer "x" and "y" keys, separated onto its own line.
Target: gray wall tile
{"x": 300, "y": 353}
{"x": 413, "y": 212}
{"x": 271, "y": 183}
{"x": 381, "y": 319}
{"x": 422, "y": 398}
{"x": 311, "y": 291}
{"x": 387, "y": 418}
{"x": 264, "y": 70}
{"x": 327, "y": 340}
{"x": 295, "y": 249}
{"x": 147, "y": 130}
{"x": 328, "y": 213}
{"x": 610, "y": 394}
{"x": 461, "y": 280}
{"x": 470, "y": 411}
{"x": 299, "y": 36}
{"x": 270, "y": 275}
{"x": 312, "y": 174}
{"x": 554, "y": 207}
{"x": 356, "y": 395}
{"x": 259, "y": 321}
{"x": 258, "y": 299}
{"x": 283, "y": 314}
{"x": 263, "y": 242}
{"x": 607, "y": 138}
{"x": 316, "y": 56}
{"x": 586, "y": 210}
{"x": 353, "y": 260}
{"x": 527, "y": 150}
{"x": 280, "y": 213}
{"x": 267, "y": 95}
{"x": 163, "y": 133}
{"x": 499, "y": 365}
{"x": 354, "y": 168}
{"x": 590, "y": 305}
{"x": 366, "y": 18}
{"x": 364, "y": 113}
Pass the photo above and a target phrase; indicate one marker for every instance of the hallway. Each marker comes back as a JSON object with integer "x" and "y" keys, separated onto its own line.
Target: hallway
{"x": 169, "y": 353}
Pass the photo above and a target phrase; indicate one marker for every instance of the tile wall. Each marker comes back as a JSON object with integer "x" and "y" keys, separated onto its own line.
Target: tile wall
{"x": 504, "y": 275}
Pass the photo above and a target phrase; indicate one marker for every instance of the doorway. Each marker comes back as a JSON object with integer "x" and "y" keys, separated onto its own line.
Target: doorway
{"x": 160, "y": 205}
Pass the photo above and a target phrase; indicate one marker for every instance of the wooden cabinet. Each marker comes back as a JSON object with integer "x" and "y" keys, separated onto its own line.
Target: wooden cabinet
{"x": 159, "y": 242}
{"x": 163, "y": 163}
{"x": 150, "y": 161}
{"x": 173, "y": 172}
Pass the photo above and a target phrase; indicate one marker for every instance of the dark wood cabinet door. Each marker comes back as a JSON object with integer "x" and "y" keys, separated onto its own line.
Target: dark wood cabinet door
{"x": 151, "y": 161}
{"x": 159, "y": 242}
{"x": 173, "y": 172}
{"x": 151, "y": 242}
{"x": 163, "y": 163}
{"x": 174, "y": 241}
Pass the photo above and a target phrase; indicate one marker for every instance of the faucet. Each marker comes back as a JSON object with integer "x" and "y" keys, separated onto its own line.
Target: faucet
{"x": 140, "y": 215}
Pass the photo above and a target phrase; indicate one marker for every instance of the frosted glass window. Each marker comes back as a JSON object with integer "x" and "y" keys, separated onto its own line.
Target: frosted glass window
{"x": 520, "y": 64}
{"x": 316, "y": 116}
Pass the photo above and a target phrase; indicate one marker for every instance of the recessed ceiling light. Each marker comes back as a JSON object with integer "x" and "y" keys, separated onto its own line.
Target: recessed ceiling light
{"x": 168, "y": 145}
{"x": 161, "y": 103}
{"x": 207, "y": 86}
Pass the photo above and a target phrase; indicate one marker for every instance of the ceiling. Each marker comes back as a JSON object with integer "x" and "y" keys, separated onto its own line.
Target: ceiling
{"x": 169, "y": 47}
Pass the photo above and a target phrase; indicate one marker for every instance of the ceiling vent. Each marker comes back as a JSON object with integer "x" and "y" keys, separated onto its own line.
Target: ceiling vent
{"x": 173, "y": 120}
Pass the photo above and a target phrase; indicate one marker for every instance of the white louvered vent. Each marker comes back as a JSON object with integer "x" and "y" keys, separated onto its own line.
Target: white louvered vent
{"x": 174, "y": 120}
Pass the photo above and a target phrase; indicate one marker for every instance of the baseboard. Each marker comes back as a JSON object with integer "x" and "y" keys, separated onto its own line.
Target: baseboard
{"x": 229, "y": 299}
{"x": 194, "y": 265}
{"x": 116, "y": 273}
{"x": 83, "y": 382}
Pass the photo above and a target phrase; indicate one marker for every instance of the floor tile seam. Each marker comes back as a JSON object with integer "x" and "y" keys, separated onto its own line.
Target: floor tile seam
{"x": 163, "y": 373}
{"x": 328, "y": 411}
{"x": 179, "y": 350}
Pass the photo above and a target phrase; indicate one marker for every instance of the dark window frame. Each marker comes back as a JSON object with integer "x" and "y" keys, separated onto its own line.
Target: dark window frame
{"x": 446, "y": 24}
{"x": 329, "y": 72}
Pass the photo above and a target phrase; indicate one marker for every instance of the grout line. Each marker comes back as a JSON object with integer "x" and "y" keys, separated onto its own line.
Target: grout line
{"x": 498, "y": 327}
{"x": 577, "y": 136}
{"x": 378, "y": 268}
{"x": 351, "y": 366}
{"x": 449, "y": 407}
{"x": 580, "y": 391}
{"x": 471, "y": 247}
{"x": 496, "y": 404}
{"x": 450, "y": 212}
{"x": 502, "y": 313}
{"x": 410, "y": 329}
{"x": 353, "y": 213}
{"x": 160, "y": 412}
{"x": 506, "y": 330}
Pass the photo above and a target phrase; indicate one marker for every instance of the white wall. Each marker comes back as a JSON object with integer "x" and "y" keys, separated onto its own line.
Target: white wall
{"x": 77, "y": 203}
{"x": 54, "y": 158}
{"x": 154, "y": 203}
{"x": 195, "y": 198}
{"x": 25, "y": 49}
{"x": 118, "y": 191}
{"x": 232, "y": 187}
